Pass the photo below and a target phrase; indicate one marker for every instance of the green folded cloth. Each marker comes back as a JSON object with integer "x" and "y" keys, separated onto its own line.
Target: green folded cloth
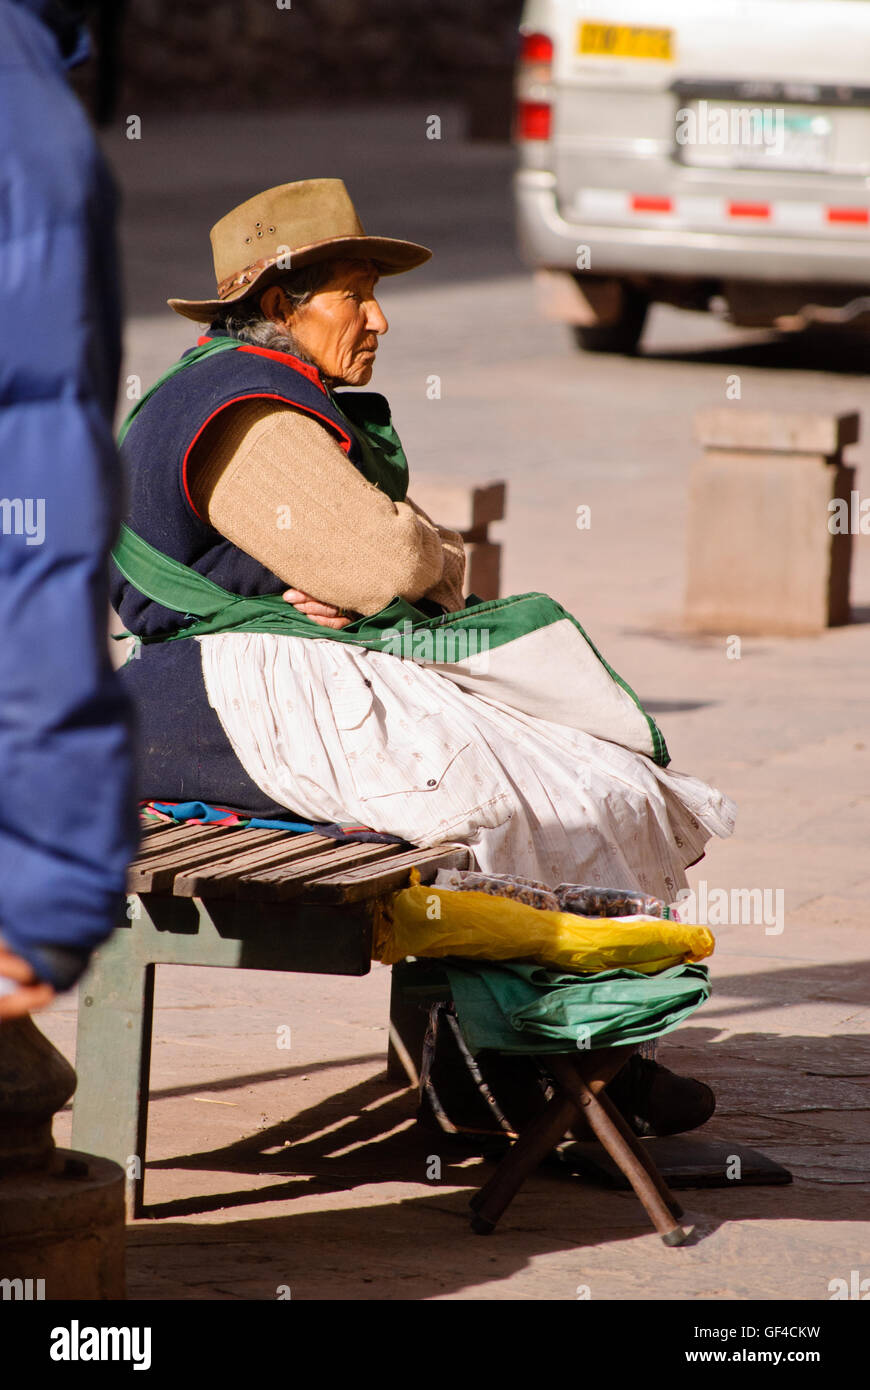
{"x": 527, "y": 1008}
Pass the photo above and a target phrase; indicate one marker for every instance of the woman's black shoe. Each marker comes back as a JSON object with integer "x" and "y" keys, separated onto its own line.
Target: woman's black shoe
{"x": 656, "y": 1102}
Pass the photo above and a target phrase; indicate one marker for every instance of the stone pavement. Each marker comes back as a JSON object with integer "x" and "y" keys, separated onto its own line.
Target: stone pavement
{"x": 318, "y": 1183}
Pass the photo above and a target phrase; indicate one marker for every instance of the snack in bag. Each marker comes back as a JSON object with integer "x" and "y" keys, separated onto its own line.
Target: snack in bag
{"x": 518, "y": 889}
{"x": 586, "y": 900}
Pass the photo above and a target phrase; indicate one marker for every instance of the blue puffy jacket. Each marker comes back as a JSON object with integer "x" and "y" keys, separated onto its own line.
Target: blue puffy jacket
{"x": 67, "y": 813}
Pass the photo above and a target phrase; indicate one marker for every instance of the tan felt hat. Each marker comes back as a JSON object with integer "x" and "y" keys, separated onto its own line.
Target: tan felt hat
{"x": 286, "y": 228}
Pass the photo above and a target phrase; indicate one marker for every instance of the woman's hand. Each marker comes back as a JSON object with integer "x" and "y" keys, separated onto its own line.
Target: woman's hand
{"x": 324, "y": 613}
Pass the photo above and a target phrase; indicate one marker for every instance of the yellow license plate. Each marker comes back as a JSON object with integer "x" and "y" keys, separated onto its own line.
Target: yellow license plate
{"x": 596, "y": 40}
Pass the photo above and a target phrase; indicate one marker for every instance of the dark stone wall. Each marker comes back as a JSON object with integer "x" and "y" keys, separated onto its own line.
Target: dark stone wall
{"x": 178, "y": 54}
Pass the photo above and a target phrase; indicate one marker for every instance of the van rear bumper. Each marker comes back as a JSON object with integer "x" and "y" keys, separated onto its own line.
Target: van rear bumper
{"x": 548, "y": 240}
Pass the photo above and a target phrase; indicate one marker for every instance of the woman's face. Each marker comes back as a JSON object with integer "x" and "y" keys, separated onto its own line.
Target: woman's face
{"x": 339, "y": 326}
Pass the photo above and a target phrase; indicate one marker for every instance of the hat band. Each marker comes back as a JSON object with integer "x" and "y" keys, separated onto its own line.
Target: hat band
{"x": 244, "y": 277}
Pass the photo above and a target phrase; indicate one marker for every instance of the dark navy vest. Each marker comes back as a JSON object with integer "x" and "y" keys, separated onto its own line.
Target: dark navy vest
{"x": 155, "y": 454}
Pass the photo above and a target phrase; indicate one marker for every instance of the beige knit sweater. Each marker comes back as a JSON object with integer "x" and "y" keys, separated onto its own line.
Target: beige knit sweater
{"x": 278, "y": 485}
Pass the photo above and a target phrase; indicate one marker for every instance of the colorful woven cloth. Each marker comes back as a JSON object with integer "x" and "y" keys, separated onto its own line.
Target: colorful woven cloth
{"x": 201, "y": 813}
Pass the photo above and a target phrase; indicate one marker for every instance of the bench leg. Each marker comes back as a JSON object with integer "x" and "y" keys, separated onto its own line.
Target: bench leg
{"x": 113, "y": 1061}
{"x": 408, "y": 1021}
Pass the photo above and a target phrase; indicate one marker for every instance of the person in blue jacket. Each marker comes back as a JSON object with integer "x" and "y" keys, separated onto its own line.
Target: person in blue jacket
{"x": 67, "y": 809}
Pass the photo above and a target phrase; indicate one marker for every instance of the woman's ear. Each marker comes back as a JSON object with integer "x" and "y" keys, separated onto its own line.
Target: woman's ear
{"x": 274, "y": 304}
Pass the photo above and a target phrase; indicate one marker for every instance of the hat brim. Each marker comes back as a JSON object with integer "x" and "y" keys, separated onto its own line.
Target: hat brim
{"x": 390, "y": 255}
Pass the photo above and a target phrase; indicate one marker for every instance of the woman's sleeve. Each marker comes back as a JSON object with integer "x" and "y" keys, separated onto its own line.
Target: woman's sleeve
{"x": 449, "y": 589}
{"x": 278, "y": 485}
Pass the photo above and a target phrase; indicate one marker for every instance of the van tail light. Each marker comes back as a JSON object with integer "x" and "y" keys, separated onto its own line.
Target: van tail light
{"x": 536, "y": 48}
{"x": 533, "y": 120}
{"x": 533, "y": 87}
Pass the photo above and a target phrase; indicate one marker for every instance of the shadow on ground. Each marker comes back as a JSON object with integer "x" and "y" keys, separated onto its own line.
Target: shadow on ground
{"x": 801, "y": 1099}
{"x": 811, "y": 350}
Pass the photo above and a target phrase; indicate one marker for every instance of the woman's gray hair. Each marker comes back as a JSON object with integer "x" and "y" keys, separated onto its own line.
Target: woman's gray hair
{"x": 245, "y": 319}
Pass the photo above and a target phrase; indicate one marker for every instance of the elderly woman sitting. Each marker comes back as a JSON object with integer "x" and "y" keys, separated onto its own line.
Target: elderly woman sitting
{"x": 247, "y": 468}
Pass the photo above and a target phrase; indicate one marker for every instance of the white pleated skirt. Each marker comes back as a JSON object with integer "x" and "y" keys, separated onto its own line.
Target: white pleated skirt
{"x": 335, "y": 732}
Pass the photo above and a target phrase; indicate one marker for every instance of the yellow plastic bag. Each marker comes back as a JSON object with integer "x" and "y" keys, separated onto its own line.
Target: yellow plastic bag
{"x": 426, "y": 921}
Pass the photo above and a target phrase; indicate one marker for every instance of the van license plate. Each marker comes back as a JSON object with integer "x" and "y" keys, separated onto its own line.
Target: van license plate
{"x": 595, "y": 40}
{"x": 744, "y": 137}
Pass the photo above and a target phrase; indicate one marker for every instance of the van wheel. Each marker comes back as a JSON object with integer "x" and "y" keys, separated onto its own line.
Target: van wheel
{"x": 621, "y": 336}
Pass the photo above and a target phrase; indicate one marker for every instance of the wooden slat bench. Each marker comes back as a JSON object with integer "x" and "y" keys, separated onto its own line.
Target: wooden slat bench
{"x": 236, "y": 896}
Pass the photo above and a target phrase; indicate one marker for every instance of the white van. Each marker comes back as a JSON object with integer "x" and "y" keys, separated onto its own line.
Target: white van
{"x": 703, "y": 153}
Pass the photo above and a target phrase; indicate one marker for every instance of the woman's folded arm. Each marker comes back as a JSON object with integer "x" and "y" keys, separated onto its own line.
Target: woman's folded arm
{"x": 448, "y": 591}
{"x": 278, "y": 485}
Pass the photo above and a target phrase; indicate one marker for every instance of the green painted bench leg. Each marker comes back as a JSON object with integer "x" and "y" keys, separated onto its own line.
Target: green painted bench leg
{"x": 415, "y": 985}
{"x": 408, "y": 1019}
{"x": 113, "y": 1060}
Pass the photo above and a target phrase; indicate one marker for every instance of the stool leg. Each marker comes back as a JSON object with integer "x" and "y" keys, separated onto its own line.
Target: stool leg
{"x": 530, "y": 1149}
{"x": 597, "y": 1085}
{"x": 623, "y": 1152}
{"x": 637, "y": 1148}
{"x": 113, "y": 1060}
{"x": 537, "y": 1139}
